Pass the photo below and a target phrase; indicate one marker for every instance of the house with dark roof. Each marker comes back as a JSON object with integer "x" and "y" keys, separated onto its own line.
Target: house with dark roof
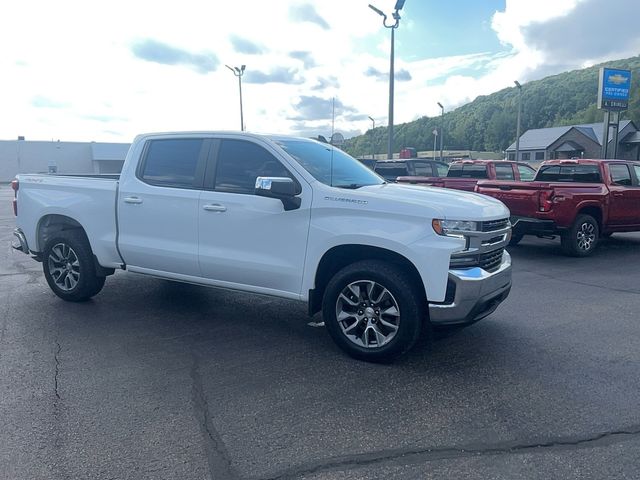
{"x": 581, "y": 141}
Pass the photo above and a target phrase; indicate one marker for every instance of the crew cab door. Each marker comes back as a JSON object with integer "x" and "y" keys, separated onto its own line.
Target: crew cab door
{"x": 247, "y": 239}
{"x": 158, "y": 207}
{"x": 624, "y": 205}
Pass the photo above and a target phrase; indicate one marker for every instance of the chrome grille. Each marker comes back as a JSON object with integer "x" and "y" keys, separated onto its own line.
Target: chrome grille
{"x": 489, "y": 261}
{"x": 493, "y": 225}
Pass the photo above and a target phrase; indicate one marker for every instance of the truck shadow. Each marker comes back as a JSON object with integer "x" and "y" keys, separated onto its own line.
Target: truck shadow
{"x": 538, "y": 248}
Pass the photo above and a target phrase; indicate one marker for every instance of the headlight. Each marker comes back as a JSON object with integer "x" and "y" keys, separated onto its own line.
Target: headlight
{"x": 449, "y": 227}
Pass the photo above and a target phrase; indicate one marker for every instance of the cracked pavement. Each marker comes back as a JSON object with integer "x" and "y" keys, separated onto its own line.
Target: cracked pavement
{"x": 155, "y": 380}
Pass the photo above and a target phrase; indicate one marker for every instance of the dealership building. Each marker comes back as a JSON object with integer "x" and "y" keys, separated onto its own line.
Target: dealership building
{"x": 22, "y": 156}
{"x": 575, "y": 141}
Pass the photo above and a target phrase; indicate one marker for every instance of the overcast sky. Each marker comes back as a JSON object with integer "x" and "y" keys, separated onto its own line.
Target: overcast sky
{"x": 108, "y": 70}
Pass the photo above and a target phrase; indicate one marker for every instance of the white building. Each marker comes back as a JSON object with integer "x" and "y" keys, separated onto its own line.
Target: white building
{"x": 21, "y": 156}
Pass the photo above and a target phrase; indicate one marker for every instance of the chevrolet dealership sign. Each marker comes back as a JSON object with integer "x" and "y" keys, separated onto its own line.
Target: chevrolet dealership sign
{"x": 614, "y": 89}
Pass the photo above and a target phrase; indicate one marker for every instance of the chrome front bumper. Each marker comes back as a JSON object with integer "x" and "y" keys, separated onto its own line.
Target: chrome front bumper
{"x": 472, "y": 294}
{"x": 20, "y": 242}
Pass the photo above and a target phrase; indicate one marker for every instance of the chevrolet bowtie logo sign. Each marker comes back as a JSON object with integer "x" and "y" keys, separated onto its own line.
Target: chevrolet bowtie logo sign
{"x": 618, "y": 79}
{"x": 614, "y": 89}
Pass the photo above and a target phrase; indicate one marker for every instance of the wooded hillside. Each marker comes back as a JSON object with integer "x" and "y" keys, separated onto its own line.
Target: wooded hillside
{"x": 489, "y": 122}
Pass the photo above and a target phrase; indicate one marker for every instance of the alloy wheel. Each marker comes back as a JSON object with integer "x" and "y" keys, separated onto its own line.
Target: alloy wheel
{"x": 64, "y": 266}
{"x": 368, "y": 314}
{"x": 586, "y": 236}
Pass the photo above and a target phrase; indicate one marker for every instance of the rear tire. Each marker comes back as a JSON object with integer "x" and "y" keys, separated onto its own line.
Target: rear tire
{"x": 581, "y": 239}
{"x": 373, "y": 311}
{"x": 69, "y": 267}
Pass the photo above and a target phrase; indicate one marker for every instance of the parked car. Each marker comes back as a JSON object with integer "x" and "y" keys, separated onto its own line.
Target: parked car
{"x": 275, "y": 215}
{"x": 463, "y": 175}
{"x": 392, "y": 169}
{"x": 579, "y": 200}
{"x": 368, "y": 162}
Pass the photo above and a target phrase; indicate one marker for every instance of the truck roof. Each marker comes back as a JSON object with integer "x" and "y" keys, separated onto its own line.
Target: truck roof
{"x": 585, "y": 161}
{"x": 275, "y": 137}
{"x": 405, "y": 160}
{"x": 481, "y": 162}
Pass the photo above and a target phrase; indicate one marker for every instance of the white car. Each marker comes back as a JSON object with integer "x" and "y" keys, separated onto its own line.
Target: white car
{"x": 283, "y": 216}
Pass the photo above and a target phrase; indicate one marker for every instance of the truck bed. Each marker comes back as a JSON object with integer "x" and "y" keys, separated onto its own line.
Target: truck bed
{"x": 90, "y": 199}
{"x": 523, "y": 198}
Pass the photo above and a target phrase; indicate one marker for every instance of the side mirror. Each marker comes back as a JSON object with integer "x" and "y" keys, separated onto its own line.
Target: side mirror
{"x": 282, "y": 188}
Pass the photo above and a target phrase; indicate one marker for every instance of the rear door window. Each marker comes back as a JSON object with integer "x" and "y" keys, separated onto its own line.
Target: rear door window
{"x": 504, "y": 171}
{"x": 173, "y": 163}
{"x": 442, "y": 169}
{"x": 527, "y": 173}
{"x": 423, "y": 169}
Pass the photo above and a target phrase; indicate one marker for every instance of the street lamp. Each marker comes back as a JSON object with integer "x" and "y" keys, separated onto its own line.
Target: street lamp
{"x": 435, "y": 142}
{"x": 373, "y": 140}
{"x": 238, "y": 72}
{"x": 518, "y": 124}
{"x": 441, "y": 127}
{"x": 393, "y": 26}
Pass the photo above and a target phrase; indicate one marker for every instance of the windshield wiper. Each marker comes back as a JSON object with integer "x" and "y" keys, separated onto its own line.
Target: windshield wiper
{"x": 350, "y": 186}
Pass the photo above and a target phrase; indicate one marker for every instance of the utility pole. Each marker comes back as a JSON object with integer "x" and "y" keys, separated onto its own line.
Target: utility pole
{"x": 518, "y": 121}
{"x": 435, "y": 142}
{"x": 373, "y": 139}
{"x": 441, "y": 128}
{"x": 393, "y": 26}
{"x": 238, "y": 72}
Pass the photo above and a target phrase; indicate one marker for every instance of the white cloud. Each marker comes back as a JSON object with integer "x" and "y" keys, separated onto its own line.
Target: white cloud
{"x": 71, "y": 70}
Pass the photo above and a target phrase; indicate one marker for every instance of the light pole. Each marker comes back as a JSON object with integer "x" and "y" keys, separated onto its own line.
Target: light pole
{"x": 441, "y": 127}
{"x": 435, "y": 142}
{"x": 238, "y": 72}
{"x": 393, "y": 26}
{"x": 518, "y": 124}
{"x": 373, "y": 140}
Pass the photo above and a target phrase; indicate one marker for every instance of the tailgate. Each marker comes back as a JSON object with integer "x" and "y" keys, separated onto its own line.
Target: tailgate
{"x": 522, "y": 198}
{"x": 457, "y": 183}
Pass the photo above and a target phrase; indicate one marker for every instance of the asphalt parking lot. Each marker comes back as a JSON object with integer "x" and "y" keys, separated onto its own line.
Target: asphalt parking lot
{"x": 158, "y": 380}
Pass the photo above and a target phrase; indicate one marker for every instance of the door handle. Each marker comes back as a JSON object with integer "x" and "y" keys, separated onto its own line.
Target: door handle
{"x": 133, "y": 200}
{"x": 618, "y": 194}
{"x": 215, "y": 207}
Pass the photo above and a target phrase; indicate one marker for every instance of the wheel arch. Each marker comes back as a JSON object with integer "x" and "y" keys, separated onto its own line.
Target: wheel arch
{"x": 341, "y": 256}
{"x": 52, "y": 224}
{"x": 593, "y": 210}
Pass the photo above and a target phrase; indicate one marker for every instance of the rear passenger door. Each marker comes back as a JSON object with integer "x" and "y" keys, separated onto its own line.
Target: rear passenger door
{"x": 158, "y": 207}
{"x": 248, "y": 240}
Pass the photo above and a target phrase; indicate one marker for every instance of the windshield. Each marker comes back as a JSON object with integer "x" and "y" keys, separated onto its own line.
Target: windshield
{"x": 330, "y": 165}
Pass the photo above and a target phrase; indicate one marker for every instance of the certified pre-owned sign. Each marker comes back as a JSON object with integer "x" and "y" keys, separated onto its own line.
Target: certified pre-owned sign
{"x": 614, "y": 89}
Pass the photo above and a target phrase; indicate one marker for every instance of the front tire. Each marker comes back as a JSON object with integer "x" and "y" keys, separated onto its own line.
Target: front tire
{"x": 373, "y": 311}
{"x": 69, "y": 267}
{"x": 581, "y": 239}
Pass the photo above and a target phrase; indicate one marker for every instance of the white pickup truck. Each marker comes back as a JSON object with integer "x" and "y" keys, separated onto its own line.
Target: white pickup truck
{"x": 275, "y": 215}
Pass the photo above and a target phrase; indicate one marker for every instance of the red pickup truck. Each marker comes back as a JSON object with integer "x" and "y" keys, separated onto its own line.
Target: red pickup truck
{"x": 579, "y": 200}
{"x": 463, "y": 175}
